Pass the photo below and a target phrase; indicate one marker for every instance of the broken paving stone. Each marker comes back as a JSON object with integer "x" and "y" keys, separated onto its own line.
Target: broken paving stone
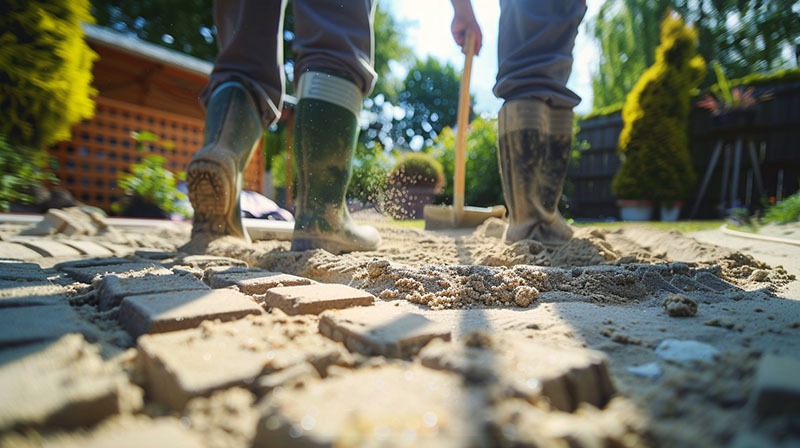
{"x": 179, "y": 310}
{"x": 254, "y": 281}
{"x": 381, "y": 330}
{"x": 682, "y": 351}
{"x": 390, "y": 405}
{"x": 25, "y": 325}
{"x": 190, "y": 363}
{"x": 566, "y": 377}
{"x": 64, "y": 383}
{"x": 316, "y": 298}
{"x": 17, "y": 251}
{"x": 777, "y": 386}
{"x": 48, "y": 248}
{"x": 111, "y": 289}
{"x": 87, "y": 273}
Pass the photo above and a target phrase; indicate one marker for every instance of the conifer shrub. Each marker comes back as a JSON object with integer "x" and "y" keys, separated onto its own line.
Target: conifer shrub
{"x": 419, "y": 169}
{"x": 654, "y": 143}
{"x": 45, "y": 70}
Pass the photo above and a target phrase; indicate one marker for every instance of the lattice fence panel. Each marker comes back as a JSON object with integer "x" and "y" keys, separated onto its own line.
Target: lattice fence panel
{"x": 102, "y": 148}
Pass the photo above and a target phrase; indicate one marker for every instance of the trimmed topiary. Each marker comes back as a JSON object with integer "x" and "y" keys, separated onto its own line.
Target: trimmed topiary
{"x": 45, "y": 70}
{"x": 654, "y": 143}
{"x": 418, "y": 169}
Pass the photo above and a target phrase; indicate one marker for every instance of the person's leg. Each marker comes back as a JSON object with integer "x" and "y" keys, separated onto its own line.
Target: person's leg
{"x": 243, "y": 95}
{"x": 333, "y": 72}
{"x": 535, "y": 121}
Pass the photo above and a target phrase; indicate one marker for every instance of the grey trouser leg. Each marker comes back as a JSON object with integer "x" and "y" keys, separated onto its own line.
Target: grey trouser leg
{"x": 535, "y": 50}
{"x": 329, "y": 38}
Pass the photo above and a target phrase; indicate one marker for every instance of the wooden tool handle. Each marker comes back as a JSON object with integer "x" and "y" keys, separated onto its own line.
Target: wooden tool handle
{"x": 462, "y": 123}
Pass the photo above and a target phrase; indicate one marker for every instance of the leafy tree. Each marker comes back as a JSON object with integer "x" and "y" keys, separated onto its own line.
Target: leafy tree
{"x": 482, "y": 182}
{"x": 429, "y": 103}
{"x": 45, "y": 70}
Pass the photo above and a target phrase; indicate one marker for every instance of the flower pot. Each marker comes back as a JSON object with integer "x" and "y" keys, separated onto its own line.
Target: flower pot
{"x": 734, "y": 121}
{"x": 670, "y": 211}
{"x": 408, "y": 201}
{"x": 635, "y": 210}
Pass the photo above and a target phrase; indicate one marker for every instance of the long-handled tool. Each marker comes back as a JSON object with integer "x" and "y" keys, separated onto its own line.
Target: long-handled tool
{"x": 458, "y": 215}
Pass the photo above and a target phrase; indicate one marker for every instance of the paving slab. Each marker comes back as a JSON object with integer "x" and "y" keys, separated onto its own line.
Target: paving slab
{"x": 179, "y": 310}
{"x": 777, "y": 387}
{"x": 111, "y": 289}
{"x": 89, "y": 262}
{"x": 24, "y": 325}
{"x": 253, "y": 281}
{"x": 207, "y": 261}
{"x": 30, "y": 293}
{"x": 48, "y": 247}
{"x": 87, "y": 273}
{"x": 64, "y": 383}
{"x": 17, "y": 251}
{"x": 381, "y": 330}
{"x": 566, "y": 377}
{"x": 385, "y": 406}
{"x": 89, "y": 248}
{"x": 184, "y": 364}
{"x": 316, "y": 298}
{"x": 21, "y": 271}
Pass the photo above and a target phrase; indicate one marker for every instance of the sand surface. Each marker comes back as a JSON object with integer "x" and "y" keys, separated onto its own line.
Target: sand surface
{"x": 683, "y": 319}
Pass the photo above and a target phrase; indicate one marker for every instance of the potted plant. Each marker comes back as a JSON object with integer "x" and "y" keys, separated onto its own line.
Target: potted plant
{"x": 732, "y": 108}
{"x": 150, "y": 188}
{"x": 654, "y": 144}
{"x": 413, "y": 182}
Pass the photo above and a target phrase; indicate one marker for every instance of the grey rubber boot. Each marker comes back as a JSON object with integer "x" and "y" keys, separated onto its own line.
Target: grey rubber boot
{"x": 214, "y": 176}
{"x": 534, "y": 142}
{"x": 325, "y": 138}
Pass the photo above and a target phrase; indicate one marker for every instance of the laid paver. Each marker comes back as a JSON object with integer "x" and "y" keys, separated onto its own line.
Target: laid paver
{"x": 253, "y": 281}
{"x": 21, "y": 271}
{"x": 184, "y": 364}
{"x": 89, "y": 248}
{"x": 384, "y": 406}
{"x": 529, "y": 369}
{"x": 24, "y": 325}
{"x": 64, "y": 383}
{"x": 30, "y": 293}
{"x": 87, "y": 273}
{"x": 18, "y": 251}
{"x": 777, "y": 386}
{"x": 179, "y": 310}
{"x": 72, "y": 221}
{"x": 88, "y": 262}
{"x": 112, "y": 288}
{"x": 47, "y": 247}
{"x": 316, "y": 298}
{"x": 381, "y": 330}
{"x": 207, "y": 261}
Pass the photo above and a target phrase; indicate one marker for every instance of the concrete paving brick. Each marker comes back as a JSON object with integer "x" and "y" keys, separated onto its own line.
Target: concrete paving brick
{"x": 184, "y": 364}
{"x": 381, "y": 330}
{"x": 88, "y": 262}
{"x": 316, "y": 298}
{"x": 118, "y": 249}
{"x": 567, "y": 377}
{"x": 30, "y": 293}
{"x": 17, "y": 251}
{"x": 253, "y": 281}
{"x": 171, "y": 311}
{"x": 89, "y": 248}
{"x": 21, "y": 271}
{"x": 87, "y": 273}
{"x": 24, "y": 325}
{"x": 47, "y": 247}
{"x": 207, "y": 261}
{"x": 112, "y": 288}
{"x": 385, "y": 406}
{"x": 777, "y": 387}
{"x": 63, "y": 383}
{"x": 161, "y": 432}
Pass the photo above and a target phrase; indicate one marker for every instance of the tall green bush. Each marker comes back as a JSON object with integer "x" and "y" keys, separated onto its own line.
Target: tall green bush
{"x": 654, "y": 143}
{"x": 22, "y": 170}
{"x": 45, "y": 70}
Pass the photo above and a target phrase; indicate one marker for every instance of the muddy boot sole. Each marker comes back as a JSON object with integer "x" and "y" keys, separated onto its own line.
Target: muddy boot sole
{"x": 214, "y": 196}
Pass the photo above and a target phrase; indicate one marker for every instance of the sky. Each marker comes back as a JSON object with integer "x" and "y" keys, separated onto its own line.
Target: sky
{"x": 428, "y": 33}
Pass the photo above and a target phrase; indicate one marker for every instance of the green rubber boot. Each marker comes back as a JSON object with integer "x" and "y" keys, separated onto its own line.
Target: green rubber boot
{"x": 534, "y": 142}
{"x": 214, "y": 176}
{"x": 325, "y": 138}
